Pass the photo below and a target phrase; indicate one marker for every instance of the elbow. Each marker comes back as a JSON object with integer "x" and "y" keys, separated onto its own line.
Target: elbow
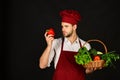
{"x": 42, "y": 66}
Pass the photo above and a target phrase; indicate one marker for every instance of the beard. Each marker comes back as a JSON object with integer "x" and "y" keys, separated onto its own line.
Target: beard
{"x": 68, "y": 34}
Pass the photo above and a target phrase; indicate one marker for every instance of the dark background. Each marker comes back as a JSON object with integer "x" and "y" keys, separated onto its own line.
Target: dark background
{"x": 27, "y": 20}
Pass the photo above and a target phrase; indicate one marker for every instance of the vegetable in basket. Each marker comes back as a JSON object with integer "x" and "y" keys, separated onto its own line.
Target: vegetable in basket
{"x": 85, "y": 56}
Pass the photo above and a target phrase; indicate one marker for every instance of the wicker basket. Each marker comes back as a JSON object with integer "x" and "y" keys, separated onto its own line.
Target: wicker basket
{"x": 97, "y": 63}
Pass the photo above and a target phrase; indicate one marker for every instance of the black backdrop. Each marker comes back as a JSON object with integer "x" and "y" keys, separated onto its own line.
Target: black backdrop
{"x": 27, "y": 20}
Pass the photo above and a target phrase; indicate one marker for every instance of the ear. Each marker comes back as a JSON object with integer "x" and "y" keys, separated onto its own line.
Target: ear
{"x": 75, "y": 27}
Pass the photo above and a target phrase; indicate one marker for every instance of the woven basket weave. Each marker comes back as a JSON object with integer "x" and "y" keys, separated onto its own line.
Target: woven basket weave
{"x": 97, "y": 63}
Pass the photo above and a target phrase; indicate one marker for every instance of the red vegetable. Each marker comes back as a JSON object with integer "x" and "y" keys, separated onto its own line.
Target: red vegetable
{"x": 96, "y": 57}
{"x": 51, "y": 32}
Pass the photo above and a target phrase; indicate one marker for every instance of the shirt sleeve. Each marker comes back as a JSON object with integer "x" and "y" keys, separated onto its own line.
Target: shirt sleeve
{"x": 52, "y": 53}
{"x": 87, "y": 45}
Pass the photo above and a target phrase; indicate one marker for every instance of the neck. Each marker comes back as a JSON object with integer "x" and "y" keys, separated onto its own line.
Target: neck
{"x": 72, "y": 38}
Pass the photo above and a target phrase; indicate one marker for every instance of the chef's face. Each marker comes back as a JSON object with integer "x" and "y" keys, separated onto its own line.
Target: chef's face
{"x": 67, "y": 29}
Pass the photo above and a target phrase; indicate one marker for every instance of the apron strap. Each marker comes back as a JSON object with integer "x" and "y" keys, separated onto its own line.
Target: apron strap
{"x": 80, "y": 43}
{"x": 62, "y": 44}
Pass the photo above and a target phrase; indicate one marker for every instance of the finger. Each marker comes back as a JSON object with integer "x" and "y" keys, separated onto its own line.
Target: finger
{"x": 100, "y": 67}
{"x": 94, "y": 68}
{"x": 50, "y": 35}
{"x": 51, "y": 38}
{"x": 48, "y": 38}
{"x": 45, "y": 34}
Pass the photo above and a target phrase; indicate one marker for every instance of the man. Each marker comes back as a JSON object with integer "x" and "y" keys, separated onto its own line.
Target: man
{"x": 62, "y": 50}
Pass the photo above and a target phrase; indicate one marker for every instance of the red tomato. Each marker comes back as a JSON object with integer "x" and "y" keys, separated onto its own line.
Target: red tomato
{"x": 50, "y": 32}
{"x": 96, "y": 57}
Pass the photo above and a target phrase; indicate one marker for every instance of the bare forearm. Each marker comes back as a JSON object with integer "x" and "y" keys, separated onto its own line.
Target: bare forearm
{"x": 43, "y": 62}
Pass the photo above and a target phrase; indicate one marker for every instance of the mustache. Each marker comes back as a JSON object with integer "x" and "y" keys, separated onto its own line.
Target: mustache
{"x": 63, "y": 32}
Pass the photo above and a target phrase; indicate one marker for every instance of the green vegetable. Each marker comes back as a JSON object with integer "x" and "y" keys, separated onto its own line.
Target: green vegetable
{"x": 84, "y": 56}
{"x": 93, "y": 51}
{"x": 110, "y": 57}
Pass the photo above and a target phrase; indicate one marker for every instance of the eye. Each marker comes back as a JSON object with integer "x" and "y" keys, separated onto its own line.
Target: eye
{"x": 66, "y": 26}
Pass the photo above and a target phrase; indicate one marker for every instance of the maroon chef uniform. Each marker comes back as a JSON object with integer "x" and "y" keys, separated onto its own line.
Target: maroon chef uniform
{"x": 66, "y": 68}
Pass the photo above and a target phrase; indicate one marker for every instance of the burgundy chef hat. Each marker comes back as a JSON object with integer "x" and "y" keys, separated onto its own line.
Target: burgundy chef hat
{"x": 70, "y": 16}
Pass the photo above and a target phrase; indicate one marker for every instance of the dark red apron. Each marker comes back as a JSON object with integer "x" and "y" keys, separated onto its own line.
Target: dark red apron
{"x": 67, "y": 69}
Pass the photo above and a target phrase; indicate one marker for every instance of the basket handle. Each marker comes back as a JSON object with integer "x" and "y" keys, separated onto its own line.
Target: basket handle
{"x": 96, "y": 40}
